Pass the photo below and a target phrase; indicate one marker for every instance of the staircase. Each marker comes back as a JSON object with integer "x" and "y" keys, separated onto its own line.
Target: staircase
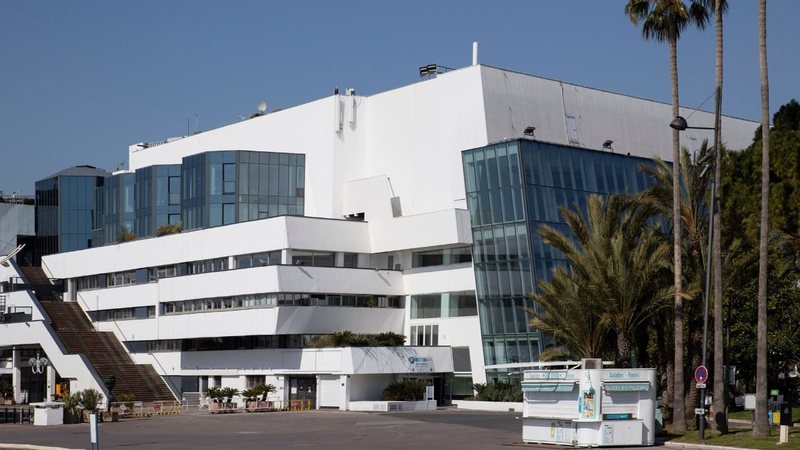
{"x": 103, "y": 349}
{"x": 36, "y": 280}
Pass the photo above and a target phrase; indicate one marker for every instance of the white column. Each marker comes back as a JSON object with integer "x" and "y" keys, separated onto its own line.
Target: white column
{"x": 16, "y": 375}
{"x": 345, "y": 401}
{"x": 317, "y": 393}
{"x": 51, "y": 382}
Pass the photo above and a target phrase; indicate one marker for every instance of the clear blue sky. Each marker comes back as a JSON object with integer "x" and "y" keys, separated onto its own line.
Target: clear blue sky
{"x": 80, "y": 81}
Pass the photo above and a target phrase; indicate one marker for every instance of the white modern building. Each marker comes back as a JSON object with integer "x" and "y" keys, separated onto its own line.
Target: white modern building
{"x": 351, "y": 213}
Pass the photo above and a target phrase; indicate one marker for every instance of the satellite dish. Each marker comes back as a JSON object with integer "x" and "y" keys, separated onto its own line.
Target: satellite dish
{"x": 262, "y": 107}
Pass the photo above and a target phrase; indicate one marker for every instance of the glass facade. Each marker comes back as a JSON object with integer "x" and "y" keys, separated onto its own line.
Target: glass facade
{"x": 158, "y": 198}
{"x": 114, "y": 209}
{"x": 84, "y": 207}
{"x": 64, "y": 210}
{"x": 220, "y": 188}
{"x": 512, "y": 189}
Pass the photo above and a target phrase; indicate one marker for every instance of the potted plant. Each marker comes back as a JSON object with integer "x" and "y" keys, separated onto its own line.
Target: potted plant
{"x": 228, "y": 393}
{"x": 221, "y": 398}
{"x": 253, "y": 403}
{"x": 6, "y": 392}
{"x": 89, "y": 400}
{"x": 72, "y": 408}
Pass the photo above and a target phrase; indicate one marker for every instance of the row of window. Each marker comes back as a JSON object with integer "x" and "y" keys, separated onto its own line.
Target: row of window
{"x": 147, "y": 275}
{"x": 151, "y": 274}
{"x": 262, "y": 300}
{"x": 140, "y": 312}
{"x": 425, "y": 335}
{"x": 223, "y": 343}
{"x": 447, "y": 304}
{"x": 441, "y": 257}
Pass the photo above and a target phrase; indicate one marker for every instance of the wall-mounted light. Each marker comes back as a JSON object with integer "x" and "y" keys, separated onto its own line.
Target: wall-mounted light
{"x": 529, "y": 131}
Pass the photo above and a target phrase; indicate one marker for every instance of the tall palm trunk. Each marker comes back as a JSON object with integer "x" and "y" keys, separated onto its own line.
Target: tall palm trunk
{"x": 761, "y": 427}
{"x": 678, "y": 422}
{"x": 720, "y": 393}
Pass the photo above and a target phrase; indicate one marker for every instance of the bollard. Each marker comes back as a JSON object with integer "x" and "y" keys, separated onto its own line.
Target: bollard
{"x": 784, "y": 438}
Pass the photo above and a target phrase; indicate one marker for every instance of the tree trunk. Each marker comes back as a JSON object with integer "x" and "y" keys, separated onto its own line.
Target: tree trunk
{"x": 678, "y": 423}
{"x": 761, "y": 427}
{"x": 692, "y": 398}
{"x": 623, "y": 351}
{"x": 720, "y": 392}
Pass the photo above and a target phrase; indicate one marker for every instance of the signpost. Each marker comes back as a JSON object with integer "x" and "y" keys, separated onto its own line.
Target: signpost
{"x": 701, "y": 375}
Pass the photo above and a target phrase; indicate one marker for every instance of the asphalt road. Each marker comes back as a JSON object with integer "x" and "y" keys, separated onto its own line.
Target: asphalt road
{"x": 288, "y": 430}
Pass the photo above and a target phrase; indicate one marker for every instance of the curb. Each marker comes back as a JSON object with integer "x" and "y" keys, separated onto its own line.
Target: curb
{"x": 32, "y": 447}
{"x": 702, "y": 446}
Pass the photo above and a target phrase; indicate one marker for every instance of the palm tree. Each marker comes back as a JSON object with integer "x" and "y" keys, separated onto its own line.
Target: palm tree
{"x": 694, "y": 224}
{"x": 761, "y": 427}
{"x": 663, "y": 20}
{"x": 720, "y": 391}
{"x": 615, "y": 260}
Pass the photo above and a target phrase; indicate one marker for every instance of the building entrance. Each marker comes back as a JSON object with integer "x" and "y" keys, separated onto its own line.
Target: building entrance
{"x": 303, "y": 388}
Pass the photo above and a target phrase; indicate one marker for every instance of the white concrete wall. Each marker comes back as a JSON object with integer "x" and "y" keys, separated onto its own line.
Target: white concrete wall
{"x": 415, "y": 135}
{"x": 450, "y": 278}
{"x": 342, "y": 361}
{"x": 368, "y": 387}
{"x": 304, "y": 129}
{"x": 261, "y": 235}
{"x": 465, "y": 332}
{"x": 14, "y": 219}
{"x": 260, "y": 321}
{"x": 637, "y": 126}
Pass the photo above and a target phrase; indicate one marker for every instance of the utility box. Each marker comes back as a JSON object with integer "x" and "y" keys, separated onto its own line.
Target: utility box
{"x": 589, "y": 407}
{"x": 786, "y": 414}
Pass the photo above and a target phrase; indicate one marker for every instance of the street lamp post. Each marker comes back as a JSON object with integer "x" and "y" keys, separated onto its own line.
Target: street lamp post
{"x": 679, "y": 123}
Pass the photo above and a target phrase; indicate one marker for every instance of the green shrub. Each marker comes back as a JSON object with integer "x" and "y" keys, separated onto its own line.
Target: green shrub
{"x": 125, "y": 235}
{"x": 500, "y": 391}
{"x": 405, "y": 390}
{"x": 259, "y": 390}
{"x": 167, "y": 229}
{"x": 349, "y": 339}
{"x": 389, "y": 339}
{"x": 214, "y": 393}
{"x": 89, "y": 399}
{"x": 72, "y": 404}
{"x": 229, "y": 392}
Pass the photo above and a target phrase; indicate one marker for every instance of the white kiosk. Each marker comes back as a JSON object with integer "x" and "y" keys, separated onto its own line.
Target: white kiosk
{"x": 589, "y": 406}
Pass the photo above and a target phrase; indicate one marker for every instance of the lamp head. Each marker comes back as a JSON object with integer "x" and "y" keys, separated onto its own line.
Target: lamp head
{"x": 678, "y": 123}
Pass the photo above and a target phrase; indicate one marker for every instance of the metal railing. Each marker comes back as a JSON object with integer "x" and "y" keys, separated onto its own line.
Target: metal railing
{"x": 239, "y": 405}
{"x": 147, "y": 409}
{"x": 16, "y": 414}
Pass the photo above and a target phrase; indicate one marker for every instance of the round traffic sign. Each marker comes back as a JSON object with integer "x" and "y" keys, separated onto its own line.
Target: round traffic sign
{"x": 701, "y": 374}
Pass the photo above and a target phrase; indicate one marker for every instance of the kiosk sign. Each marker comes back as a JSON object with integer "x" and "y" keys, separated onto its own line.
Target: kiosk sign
{"x": 701, "y": 374}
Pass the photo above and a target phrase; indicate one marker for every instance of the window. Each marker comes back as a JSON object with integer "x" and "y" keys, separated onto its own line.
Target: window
{"x": 462, "y": 304}
{"x": 426, "y": 306}
{"x": 158, "y": 273}
{"x": 121, "y": 278}
{"x": 255, "y": 380}
{"x": 572, "y": 130}
{"x": 229, "y": 178}
{"x": 317, "y": 259}
{"x": 425, "y": 335}
{"x": 174, "y": 191}
{"x": 228, "y": 213}
{"x": 258, "y": 259}
{"x": 441, "y": 257}
{"x": 350, "y": 260}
